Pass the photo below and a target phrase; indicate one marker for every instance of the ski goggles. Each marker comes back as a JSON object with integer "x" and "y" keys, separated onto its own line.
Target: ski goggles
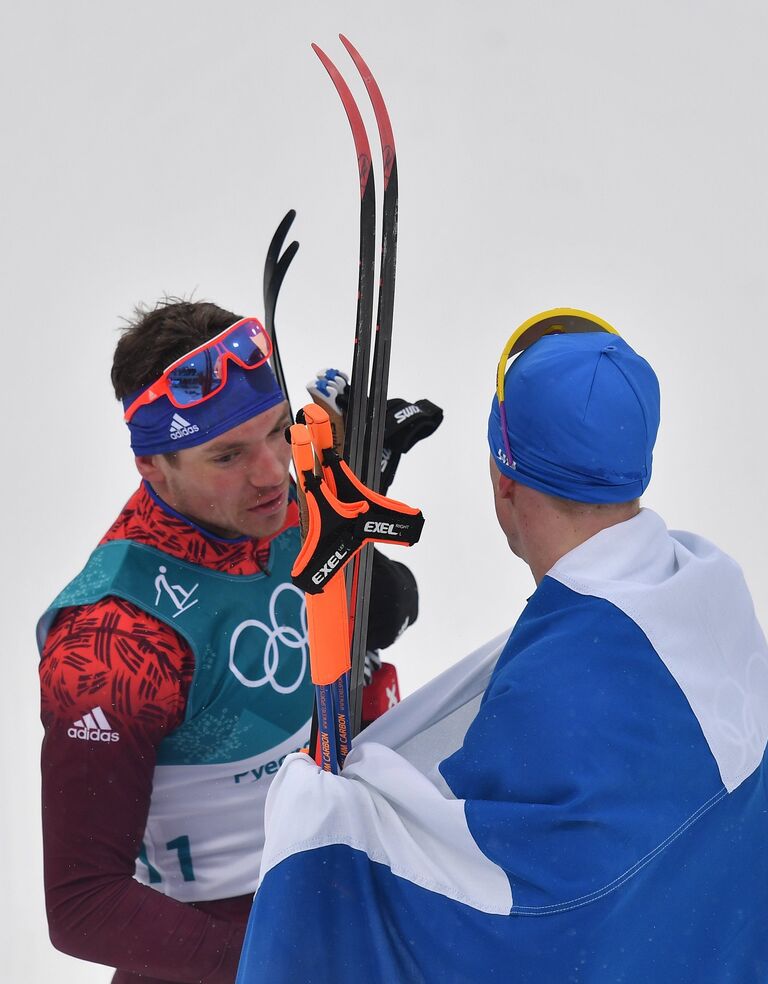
{"x": 558, "y": 321}
{"x": 201, "y": 373}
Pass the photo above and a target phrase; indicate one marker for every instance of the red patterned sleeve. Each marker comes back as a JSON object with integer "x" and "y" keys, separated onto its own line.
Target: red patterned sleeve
{"x": 114, "y": 682}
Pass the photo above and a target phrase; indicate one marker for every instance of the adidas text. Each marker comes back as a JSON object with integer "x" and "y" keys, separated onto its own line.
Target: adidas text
{"x": 86, "y": 735}
{"x": 185, "y": 432}
{"x": 93, "y": 726}
{"x": 181, "y": 427}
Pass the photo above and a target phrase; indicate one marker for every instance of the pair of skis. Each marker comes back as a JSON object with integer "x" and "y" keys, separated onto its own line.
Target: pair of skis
{"x": 367, "y": 404}
{"x": 366, "y": 414}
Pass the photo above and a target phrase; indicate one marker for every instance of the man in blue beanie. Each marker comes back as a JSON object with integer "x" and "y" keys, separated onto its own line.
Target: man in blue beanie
{"x": 571, "y": 433}
{"x": 582, "y": 799}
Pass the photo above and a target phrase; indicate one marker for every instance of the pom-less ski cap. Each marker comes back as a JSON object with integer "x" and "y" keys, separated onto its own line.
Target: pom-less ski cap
{"x": 581, "y": 412}
{"x": 160, "y": 427}
{"x": 207, "y": 391}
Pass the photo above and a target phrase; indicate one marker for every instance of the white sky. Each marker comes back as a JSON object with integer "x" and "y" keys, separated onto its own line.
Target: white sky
{"x": 604, "y": 155}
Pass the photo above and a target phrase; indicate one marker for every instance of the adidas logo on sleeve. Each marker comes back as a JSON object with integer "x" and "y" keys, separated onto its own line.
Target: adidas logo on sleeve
{"x": 93, "y": 726}
{"x": 181, "y": 427}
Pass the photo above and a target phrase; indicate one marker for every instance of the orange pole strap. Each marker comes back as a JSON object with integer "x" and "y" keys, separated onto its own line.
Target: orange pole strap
{"x": 328, "y": 624}
{"x": 327, "y": 616}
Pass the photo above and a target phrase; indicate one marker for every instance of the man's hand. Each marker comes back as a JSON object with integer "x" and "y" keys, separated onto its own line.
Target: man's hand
{"x": 330, "y": 390}
{"x": 406, "y": 423}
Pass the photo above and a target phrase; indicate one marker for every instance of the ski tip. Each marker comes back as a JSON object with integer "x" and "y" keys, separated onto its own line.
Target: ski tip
{"x": 290, "y": 251}
{"x": 329, "y": 66}
{"x": 352, "y": 50}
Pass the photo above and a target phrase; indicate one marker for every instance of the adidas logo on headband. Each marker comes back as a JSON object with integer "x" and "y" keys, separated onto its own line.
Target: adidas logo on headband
{"x": 181, "y": 427}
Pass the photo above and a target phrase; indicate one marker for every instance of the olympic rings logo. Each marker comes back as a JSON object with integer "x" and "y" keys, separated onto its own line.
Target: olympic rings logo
{"x": 276, "y": 635}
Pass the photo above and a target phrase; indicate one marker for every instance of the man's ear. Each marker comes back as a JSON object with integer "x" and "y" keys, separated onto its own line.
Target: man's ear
{"x": 507, "y": 487}
{"x": 148, "y": 468}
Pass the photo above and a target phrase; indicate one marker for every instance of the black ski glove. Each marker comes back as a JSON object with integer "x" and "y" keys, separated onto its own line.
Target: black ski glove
{"x": 394, "y": 601}
{"x": 406, "y": 424}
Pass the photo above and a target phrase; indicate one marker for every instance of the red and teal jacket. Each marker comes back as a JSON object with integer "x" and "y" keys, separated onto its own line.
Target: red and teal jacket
{"x": 175, "y": 680}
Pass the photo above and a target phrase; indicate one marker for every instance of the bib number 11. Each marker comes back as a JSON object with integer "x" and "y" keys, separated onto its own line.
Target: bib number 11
{"x": 181, "y": 846}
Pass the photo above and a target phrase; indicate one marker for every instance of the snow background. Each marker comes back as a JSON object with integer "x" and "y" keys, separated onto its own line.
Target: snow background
{"x": 604, "y": 155}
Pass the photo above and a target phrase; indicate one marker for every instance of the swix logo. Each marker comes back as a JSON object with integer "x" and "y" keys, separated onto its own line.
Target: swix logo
{"x": 93, "y": 726}
{"x": 329, "y": 566}
{"x": 181, "y": 427}
{"x": 372, "y": 526}
{"x": 403, "y": 414}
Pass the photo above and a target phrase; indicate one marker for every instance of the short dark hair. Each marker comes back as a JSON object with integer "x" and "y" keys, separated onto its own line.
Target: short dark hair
{"x": 153, "y": 338}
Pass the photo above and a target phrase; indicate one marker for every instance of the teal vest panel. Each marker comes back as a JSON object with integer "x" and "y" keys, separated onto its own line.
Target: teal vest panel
{"x": 251, "y": 688}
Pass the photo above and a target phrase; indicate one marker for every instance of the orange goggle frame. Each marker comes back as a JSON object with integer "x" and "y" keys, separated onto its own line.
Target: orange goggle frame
{"x": 200, "y": 374}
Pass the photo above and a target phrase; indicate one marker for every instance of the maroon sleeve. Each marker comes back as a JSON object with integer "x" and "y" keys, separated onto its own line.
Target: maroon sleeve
{"x": 115, "y": 667}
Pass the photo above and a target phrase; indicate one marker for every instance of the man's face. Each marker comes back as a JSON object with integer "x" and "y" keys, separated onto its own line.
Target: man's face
{"x": 236, "y": 484}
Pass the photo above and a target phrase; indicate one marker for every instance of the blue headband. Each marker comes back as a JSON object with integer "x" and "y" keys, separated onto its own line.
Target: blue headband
{"x": 160, "y": 427}
{"x": 582, "y": 417}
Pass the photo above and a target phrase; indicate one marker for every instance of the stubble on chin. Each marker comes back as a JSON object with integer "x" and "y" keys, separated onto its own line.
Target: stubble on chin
{"x": 258, "y": 528}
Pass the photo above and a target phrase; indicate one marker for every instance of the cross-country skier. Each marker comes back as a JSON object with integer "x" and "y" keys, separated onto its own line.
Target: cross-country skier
{"x": 584, "y": 799}
{"x": 174, "y": 668}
